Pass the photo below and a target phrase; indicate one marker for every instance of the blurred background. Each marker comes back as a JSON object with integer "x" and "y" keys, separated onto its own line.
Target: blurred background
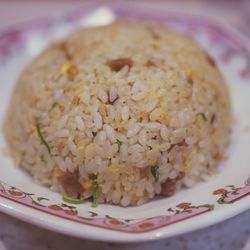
{"x": 232, "y": 12}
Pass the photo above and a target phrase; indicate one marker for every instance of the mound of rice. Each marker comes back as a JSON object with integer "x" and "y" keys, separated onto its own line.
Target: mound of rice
{"x": 121, "y": 113}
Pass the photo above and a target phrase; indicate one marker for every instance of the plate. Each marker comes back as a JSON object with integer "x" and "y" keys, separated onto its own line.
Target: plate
{"x": 207, "y": 203}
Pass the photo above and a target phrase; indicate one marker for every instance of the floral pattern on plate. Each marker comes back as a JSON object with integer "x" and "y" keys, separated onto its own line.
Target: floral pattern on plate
{"x": 181, "y": 212}
{"x": 231, "y": 194}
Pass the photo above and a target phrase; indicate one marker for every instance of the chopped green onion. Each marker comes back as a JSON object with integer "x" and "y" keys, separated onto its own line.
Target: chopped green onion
{"x": 53, "y": 106}
{"x": 203, "y": 116}
{"x": 119, "y": 143}
{"x": 73, "y": 201}
{"x": 95, "y": 189}
{"x": 212, "y": 119}
{"x": 42, "y": 158}
{"x": 95, "y": 196}
{"x": 93, "y": 177}
{"x": 154, "y": 171}
{"x": 94, "y": 133}
{"x": 42, "y": 138}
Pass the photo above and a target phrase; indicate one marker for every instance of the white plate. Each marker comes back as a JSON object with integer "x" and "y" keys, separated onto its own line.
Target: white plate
{"x": 222, "y": 197}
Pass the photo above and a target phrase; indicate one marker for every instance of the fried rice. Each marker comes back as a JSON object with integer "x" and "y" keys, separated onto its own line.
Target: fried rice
{"x": 120, "y": 113}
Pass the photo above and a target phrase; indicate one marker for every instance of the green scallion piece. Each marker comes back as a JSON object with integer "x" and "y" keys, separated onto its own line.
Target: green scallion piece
{"x": 94, "y": 133}
{"x": 42, "y": 138}
{"x": 203, "y": 116}
{"x": 154, "y": 171}
{"x": 67, "y": 199}
{"x": 93, "y": 177}
{"x": 95, "y": 196}
{"x": 53, "y": 106}
{"x": 95, "y": 190}
{"x": 42, "y": 158}
{"x": 212, "y": 119}
{"x": 119, "y": 143}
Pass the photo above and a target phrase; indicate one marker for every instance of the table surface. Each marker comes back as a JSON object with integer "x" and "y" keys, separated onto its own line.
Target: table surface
{"x": 232, "y": 234}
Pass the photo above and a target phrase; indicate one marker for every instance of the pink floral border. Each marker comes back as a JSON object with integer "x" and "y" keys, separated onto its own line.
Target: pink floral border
{"x": 231, "y": 194}
{"x": 63, "y": 210}
{"x": 182, "y": 211}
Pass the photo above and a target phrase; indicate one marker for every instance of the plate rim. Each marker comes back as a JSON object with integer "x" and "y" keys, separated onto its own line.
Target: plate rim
{"x": 56, "y": 224}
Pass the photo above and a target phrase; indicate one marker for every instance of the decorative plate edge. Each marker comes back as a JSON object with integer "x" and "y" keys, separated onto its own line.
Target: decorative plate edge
{"x": 182, "y": 211}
